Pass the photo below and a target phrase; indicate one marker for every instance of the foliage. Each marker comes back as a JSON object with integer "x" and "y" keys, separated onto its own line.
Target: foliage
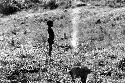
{"x": 8, "y": 8}
{"x": 121, "y": 65}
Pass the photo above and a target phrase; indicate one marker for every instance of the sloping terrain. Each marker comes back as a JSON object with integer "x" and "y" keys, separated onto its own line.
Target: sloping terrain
{"x": 101, "y": 41}
{"x": 25, "y": 55}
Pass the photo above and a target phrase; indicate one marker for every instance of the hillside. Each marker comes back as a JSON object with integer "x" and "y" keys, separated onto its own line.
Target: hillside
{"x": 63, "y": 45}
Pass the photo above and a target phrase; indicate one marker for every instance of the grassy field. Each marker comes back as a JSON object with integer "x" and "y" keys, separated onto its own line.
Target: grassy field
{"x": 24, "y": 46}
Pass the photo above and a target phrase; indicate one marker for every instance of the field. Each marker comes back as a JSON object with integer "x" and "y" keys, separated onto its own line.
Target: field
{"x": 83, "y": 44}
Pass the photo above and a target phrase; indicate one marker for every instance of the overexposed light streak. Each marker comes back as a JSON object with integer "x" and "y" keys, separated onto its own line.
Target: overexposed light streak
{"x": 75, "y": 20}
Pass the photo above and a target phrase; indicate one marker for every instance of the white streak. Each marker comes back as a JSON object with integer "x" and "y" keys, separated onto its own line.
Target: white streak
{"x": 75, "y": 20}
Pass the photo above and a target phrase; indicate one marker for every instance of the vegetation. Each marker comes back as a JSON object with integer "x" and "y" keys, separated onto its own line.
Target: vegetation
{"x": 8, "y": 7}
{"x": 28, "y": 45}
